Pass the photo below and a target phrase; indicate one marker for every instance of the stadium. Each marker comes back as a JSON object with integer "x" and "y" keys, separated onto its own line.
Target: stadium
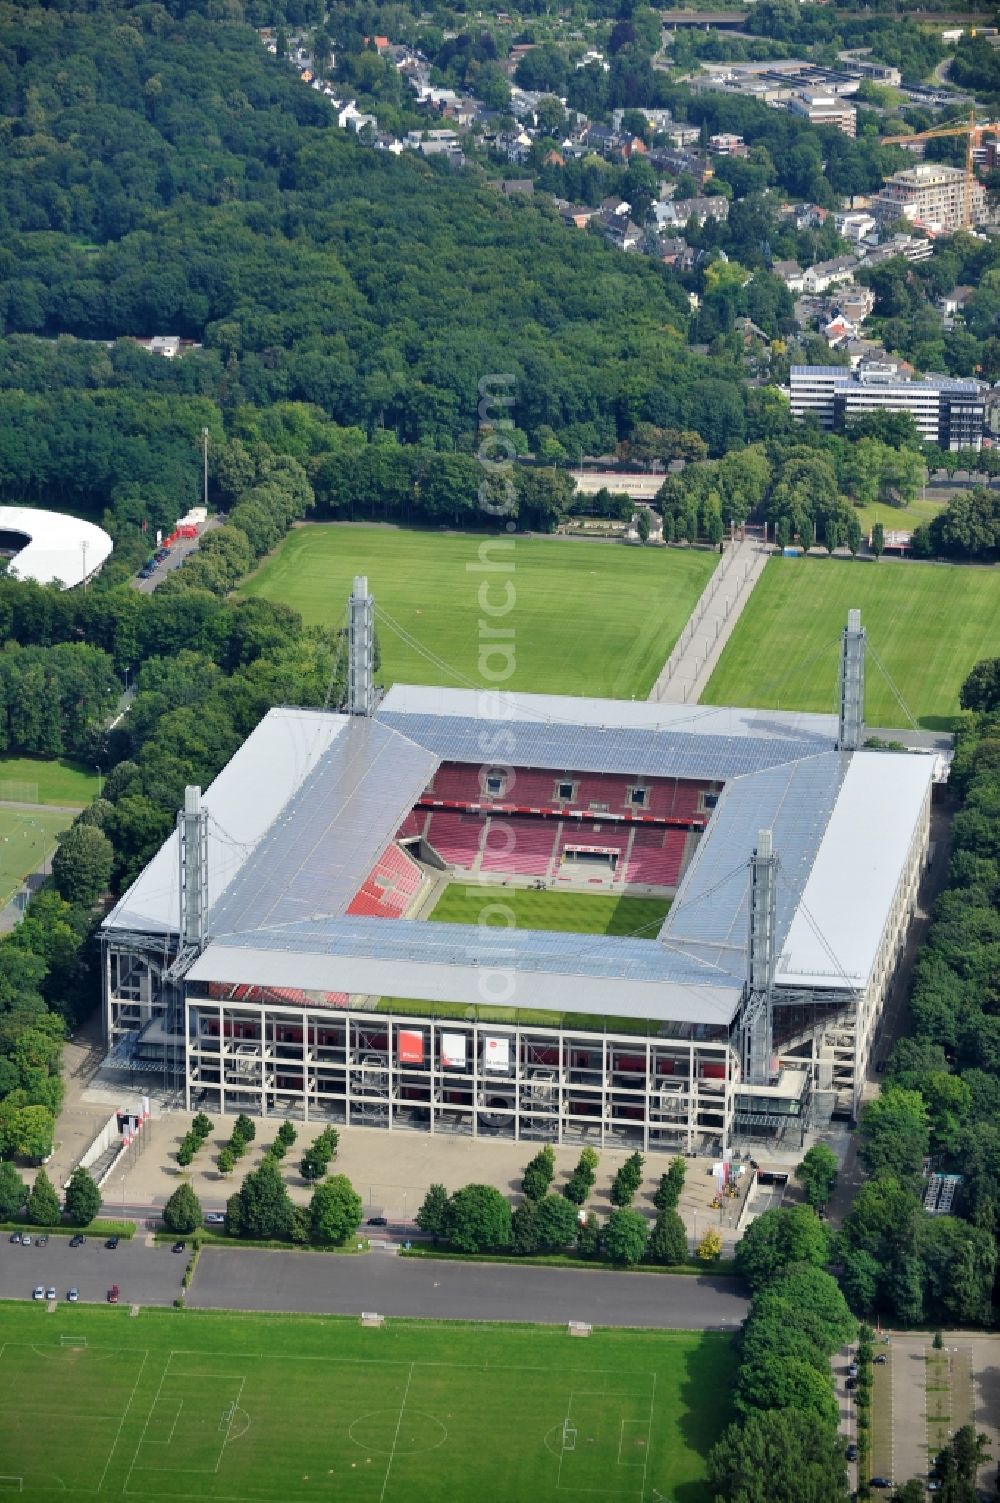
{"x": 51, "y": 547}
{"x": 279, "y": 955}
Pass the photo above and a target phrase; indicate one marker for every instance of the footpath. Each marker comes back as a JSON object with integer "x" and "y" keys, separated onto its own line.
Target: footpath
{"x": 687, "y": 670}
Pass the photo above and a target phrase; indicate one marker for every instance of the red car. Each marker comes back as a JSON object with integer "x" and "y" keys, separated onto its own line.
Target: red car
{"x": 113, "y": 1295}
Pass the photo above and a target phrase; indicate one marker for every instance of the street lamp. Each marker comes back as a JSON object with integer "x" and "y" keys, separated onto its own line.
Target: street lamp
{"x": 204, "y": 441}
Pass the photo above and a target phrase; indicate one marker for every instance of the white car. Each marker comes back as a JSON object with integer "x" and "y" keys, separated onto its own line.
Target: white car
{"x": 73, "y": 1296}
{"x": 50, "y": 1294}
{"x": 39, "y": 1292}
{"x": 215, "y": 1218}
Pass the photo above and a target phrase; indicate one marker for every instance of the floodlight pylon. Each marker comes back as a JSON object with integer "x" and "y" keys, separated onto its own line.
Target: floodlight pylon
{"x": 851, "y": 721}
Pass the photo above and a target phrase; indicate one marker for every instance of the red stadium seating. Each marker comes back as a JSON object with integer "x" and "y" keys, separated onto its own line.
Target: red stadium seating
{"x": 412, "y": 825}
{"x": 657, "y": 856}
{"x": 533, "y": 789}
{"x": 389, "y": 888}
{"x": 519, "y": 843}
{"x": 455, "y": 837}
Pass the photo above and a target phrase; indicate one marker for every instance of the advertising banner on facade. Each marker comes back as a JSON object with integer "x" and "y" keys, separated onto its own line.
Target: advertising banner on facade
{"x": 453, "y": 1050}
{"x": 496, "y": 1053}
{"x": 410, "y": 1047}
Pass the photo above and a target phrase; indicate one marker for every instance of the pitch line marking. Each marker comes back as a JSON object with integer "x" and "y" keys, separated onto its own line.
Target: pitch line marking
{"x": 234, "y": 1405}
{"x": 121, "y": 1422}
{"x": 395, "y": 1438}
{"x": 149, "y": 1416}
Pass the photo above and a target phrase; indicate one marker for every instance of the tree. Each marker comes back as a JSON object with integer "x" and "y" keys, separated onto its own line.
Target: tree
{"x": 244, "y": 1129}
{"x": 860, "y": 1274}
{"x": 524, "y": 1228}
{"x": 779, "y": 1457}
{"x": 668, "y": 1191}
{"x": 710, "y": 1245}
{"x": 624, "y": 1237}
{"x": 539, "y": 1173}
{"x": 668, "y": 1241}
{"x": 778, "y": 1238}
{"x": 479, "y": 1219}
{"x": 43, "y": 1202}
{"x": 432, "y": 1216}
{"x": 588, "y": 1236}
{"x": 981, "y": 690}
{"x": 642, "y": 525}
{"x": 878, "y": 540}
{"x": 556, "y": 1223}
{"x": 13, "y": 1192}
{"x": 335, "y": 1210}
{"x": 226, "y": 1160}
{"x": 286, "y": 1136}
{"x": 83, "y": 1198}
{"x": 81, "y": 867}
{"x": 817, "y": 1173}
{"x": 263, "y": 1208}
{"x": 202, "y": 1126}
{"x": 583, "y": 1178}
{"x": 895, "y": 1134}
{"x": 182, "y": 1213}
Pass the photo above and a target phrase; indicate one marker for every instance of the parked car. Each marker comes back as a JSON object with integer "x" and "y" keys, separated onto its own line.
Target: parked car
{"x": 112, "y": 1242}
{"x": 179, "y": 1247}
{"x": 215, "y": 1218}
{"x": 26, "y": 1239}
{"x": 73, "y": 1295}
{"x": 38, "y": 1292}
{"x": 50, "y": 1293}
{"x": 882, "y": 1483}
{"x": 377, "y": 1221}
{"x": 851, "y": 1454}
{"x": 113, "y": 1295}
{"x": 15, "y": 1236}
{"x": 43, "y": 1240}
{"x": 881, "y": 1359}
{"x": 78, "y": 1240}
{"x": 851, "y": 1384}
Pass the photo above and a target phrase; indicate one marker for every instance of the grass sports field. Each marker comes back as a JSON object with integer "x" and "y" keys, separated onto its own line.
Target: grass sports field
{"x": 27, "y": 836}
{"x": 31, "y": 780}
{"x": 928, "y": 623}
{"x": 586, "y": 618}
{"x": 571, "y": 912}
{"x": 257, "y": 1409}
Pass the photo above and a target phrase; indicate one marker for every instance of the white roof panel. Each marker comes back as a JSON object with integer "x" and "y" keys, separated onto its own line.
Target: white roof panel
{"x": 243, "y": 802}
{"x": 59, "y": 547}
{"x": 848, "y": 898}
{"x": 611, "y": 714}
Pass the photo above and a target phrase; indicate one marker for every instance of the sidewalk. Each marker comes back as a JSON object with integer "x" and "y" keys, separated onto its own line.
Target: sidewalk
{"x": 699, "y": 646}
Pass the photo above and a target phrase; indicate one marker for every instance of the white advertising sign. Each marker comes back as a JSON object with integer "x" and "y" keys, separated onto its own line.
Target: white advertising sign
{"x": 453, "y": 1050}
{"x": 496, "y": 1054}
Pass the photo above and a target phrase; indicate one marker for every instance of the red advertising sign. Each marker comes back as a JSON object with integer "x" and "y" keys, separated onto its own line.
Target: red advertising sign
{"x": 410, "y": 1047}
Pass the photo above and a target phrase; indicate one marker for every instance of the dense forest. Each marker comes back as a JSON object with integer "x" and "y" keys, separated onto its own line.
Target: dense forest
{"x": 168, "y": 177}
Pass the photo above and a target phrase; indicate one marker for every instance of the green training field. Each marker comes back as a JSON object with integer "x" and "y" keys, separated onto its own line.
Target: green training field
{"x": 27, "y": 836}
{"x": 927, "y": 623}
{"x": 32, "y": 780}
{"x": 530, "y": 908}
{"x": 584, "y": 618}
{"x": 264, "y": 1409}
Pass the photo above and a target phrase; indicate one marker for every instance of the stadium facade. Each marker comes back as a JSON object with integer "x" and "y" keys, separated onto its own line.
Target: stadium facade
{"x": 272, "y": 957}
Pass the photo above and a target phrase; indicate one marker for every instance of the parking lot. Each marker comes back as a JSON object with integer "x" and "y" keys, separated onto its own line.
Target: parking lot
{"x": 144, "y": 1275}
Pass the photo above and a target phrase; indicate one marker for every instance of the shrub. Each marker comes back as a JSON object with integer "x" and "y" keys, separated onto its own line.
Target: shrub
{"x": 624, "y": 1237}
{"x": 202, "y": 1127}
{"x": 244, "y": 1129}
{"x": 710, "y": 1246}
{"x": 226, "y": 1161}
{"x": 538, "y": 1174}
{"x": 668, "y": 1241}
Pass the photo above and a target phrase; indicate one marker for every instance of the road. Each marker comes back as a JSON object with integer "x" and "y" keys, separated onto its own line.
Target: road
{"x": 428, "y": 1289}
{"x": 253, "y": 1279}
{"x": 178, "y": 553}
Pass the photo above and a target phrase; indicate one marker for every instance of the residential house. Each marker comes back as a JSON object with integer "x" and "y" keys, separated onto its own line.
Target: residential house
{"x": 521, "y": 187}
{"x": 854, "y": 225}
{"x": 728, "y": 145}
{"x": 674, "y": 251}
{"x": 683, "y": 135}
{"x": 789, "y": 272}
{"x": 830, "y": 273}
{"x": 678, "y": 211}
{"x": 578, "y": 215}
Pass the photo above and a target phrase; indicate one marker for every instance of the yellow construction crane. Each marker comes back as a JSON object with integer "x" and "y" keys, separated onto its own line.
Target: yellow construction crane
{"x": 973, "y": 132}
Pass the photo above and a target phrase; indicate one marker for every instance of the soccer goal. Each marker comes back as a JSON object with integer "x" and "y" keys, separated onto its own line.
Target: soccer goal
{"x": 10, "y": 1483}
{"x": 568, "y": 1436}
{"x": 72, "y": 1341}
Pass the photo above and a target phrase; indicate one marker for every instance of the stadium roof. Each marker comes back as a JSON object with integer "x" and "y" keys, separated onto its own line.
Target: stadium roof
{"x": 243, "y": 802}
{"x": 302, "y": 812}
{"x": 864, "y": 852}
{"x": 602, "y": 735}
{"x": 59, "y": 547}
{"x": 602, "y": 975}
